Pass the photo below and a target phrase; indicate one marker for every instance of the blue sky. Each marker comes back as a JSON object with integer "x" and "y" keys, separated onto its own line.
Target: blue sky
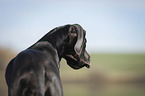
{"x": 111, "y": 25}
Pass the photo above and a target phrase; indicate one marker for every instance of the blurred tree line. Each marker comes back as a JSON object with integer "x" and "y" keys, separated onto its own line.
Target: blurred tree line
{"x": 6, "y": 54}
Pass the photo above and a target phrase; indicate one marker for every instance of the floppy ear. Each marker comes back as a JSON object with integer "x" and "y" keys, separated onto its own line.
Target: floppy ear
{"x": 79, "y": 42}
{"x": 72, "y": 32}
{"x": 72, "y": 35}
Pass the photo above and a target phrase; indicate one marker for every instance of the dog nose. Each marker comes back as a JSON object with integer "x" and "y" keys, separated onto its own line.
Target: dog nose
{"x": 86, "y": 59}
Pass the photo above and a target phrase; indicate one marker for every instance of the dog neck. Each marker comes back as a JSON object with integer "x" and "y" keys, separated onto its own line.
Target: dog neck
{"x": 48, "y": 49}
{"x": 58, "y": 41}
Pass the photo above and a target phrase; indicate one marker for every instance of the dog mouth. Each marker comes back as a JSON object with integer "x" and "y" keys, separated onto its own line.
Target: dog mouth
{"x": 75, "y": 63}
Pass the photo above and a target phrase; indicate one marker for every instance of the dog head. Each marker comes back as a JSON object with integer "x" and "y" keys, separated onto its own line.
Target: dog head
{"x": 76, "y": 55}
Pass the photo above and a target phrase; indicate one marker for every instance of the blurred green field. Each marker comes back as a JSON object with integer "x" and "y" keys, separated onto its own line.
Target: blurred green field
{"x": 109, "y": 75}
{"x": 110, "y": 64}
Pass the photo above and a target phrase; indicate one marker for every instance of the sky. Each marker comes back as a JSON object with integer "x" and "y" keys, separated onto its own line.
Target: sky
{"x": 111, "y": 25}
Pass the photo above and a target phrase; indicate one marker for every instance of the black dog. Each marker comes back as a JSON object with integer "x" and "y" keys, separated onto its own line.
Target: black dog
{"x": 35, "y": 71}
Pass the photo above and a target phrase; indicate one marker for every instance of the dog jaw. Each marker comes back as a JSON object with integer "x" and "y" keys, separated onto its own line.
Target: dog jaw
{"x": 76, "y": 64}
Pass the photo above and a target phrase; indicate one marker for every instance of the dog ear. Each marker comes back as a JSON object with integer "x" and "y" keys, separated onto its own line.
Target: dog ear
{"x": 79, "y": 43}
{"x": 72, "y": 35}
{"x": 78, "y": 34}
{"x": 72, "y": 31}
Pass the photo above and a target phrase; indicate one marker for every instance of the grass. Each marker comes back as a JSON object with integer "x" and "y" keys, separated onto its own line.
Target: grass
{"x": 113, "y": 63}
{"x": 120, "y": 63}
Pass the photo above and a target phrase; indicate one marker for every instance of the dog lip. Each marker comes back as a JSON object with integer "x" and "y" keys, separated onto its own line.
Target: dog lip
{"x": 70, "y": 56}
{"x": 87, "y": 64}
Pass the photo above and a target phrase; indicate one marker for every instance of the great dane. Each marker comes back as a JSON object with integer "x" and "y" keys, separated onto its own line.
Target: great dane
{"x": 35, "y": 71}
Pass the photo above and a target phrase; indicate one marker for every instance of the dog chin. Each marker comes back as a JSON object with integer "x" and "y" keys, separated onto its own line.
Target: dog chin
{"x": 74, "y": 63}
